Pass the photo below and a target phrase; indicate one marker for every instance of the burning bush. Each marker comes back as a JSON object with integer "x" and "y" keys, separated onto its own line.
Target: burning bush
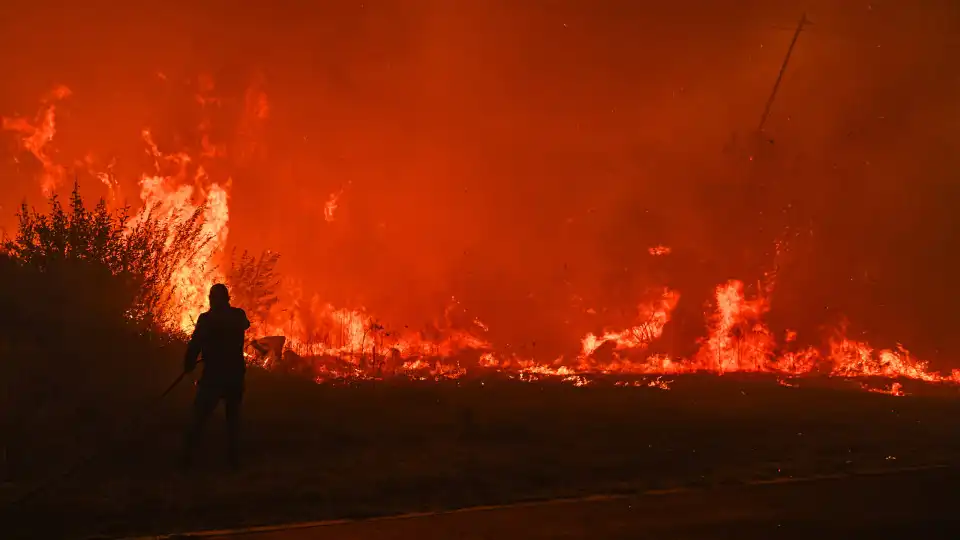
{"x": 253, "y": 283}
{"x": 97, "y": 264}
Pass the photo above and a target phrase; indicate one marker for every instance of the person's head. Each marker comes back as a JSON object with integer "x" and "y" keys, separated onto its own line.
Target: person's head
{"x": 219, "y": 296}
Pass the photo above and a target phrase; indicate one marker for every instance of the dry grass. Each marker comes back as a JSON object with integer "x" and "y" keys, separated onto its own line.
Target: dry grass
{"x": 324, "y": 452}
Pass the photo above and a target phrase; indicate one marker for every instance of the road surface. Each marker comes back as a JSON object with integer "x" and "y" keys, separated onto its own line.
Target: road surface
{"x": 913, "y": 504}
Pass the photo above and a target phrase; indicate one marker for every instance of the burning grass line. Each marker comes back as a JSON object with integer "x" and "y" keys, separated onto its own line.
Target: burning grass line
{"x": 182, "y": 230}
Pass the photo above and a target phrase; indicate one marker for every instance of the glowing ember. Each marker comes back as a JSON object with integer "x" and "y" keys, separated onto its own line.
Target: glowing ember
{"x": 656, "y": 382}
{"x": 331, "y": 206}
{"x": 660, "y": 383}
{"x": 895, "y": 389}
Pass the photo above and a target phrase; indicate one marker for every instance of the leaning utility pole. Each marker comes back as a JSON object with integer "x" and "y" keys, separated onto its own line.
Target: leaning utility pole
{"x": 766, "y": 111}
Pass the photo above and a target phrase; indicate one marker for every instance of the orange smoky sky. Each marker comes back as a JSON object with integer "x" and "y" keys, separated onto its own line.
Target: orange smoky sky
{"x": 524, "y": 156}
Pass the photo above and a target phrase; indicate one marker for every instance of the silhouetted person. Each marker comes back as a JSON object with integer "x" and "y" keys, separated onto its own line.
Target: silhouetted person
{"x": 218, "y": 339}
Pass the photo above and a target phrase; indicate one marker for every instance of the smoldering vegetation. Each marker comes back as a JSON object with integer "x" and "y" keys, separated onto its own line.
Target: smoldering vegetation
{"x": 523, "y": 157}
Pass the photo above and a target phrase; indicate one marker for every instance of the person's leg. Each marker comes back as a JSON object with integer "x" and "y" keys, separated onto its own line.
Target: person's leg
{"x": 204, "y": 404}
{"x": 233, "y": 400}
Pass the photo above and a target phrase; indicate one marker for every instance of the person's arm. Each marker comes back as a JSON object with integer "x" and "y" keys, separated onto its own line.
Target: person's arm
{"x": 195, "y": 346}
{"x": 244, "y": 321}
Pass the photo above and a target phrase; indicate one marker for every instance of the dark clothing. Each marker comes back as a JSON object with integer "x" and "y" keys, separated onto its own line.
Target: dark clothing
{"x": 218, "y": 339}
{"x": 208, "y": 396}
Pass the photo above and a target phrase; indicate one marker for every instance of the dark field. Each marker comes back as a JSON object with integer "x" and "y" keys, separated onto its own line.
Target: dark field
{"x": 372, "y": 448}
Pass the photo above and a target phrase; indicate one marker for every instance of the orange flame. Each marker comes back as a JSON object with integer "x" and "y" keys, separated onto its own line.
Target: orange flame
{"x": 340, "y": 342}
{"x": 37, "y": 135}
{"x": 653, "y": 318}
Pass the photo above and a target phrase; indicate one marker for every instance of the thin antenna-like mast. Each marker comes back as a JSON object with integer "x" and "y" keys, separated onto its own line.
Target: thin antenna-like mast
{"x": 766, "y": 111}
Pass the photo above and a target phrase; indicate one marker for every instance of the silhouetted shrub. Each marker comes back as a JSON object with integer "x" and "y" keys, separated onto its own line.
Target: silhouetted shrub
{"x": 96, "y": 265}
